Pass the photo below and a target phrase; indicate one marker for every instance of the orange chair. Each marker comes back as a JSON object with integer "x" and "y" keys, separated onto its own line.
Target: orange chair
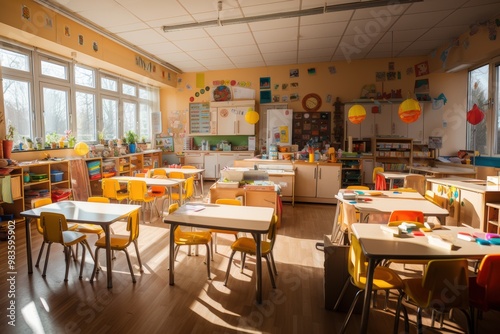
{"x": 406, "y": 215}
{"x": 379, "y": 180}
{"x": 484, "y": 289}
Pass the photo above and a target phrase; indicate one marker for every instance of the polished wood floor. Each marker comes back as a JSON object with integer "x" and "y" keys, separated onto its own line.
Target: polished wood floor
{"x": 194, "y": 304}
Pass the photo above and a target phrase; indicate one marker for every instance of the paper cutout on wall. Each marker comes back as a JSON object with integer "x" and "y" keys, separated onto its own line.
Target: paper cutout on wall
{"x": 439, "y": 101}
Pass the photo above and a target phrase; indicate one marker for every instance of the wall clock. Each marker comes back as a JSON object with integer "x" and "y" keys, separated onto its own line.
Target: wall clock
{"x": 311, "y": 102}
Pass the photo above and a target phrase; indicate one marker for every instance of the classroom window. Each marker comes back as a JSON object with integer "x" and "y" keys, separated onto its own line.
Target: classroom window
{"x": 110, "y": 117}
{"x": 15, "y": 60}
{"x": 109, "y": 84}
{"x": 54, "y": 69}
{"x": 55, "y": 102}
{"x": 129, "y": 116}
{"x": 84, "y": 76}
{"x": 17, "y": 105}
{"x": 129, "y": 89}
{"x": 85, "y": 116}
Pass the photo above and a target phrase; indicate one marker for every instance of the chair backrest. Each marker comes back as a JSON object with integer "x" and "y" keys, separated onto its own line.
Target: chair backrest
{"x": 228, "y": 201}
{"x": 447, "y": 284}
{"x": 358, "y": 187}
{"x": 98, "y": 199}
{"x": 431, "y": 197}
{"x": 189, "y": 187}
{"x": 140, "y": 174}
{"x": 137, "y": 190}
{"x": 271, "y": 234}
{"x": 36, "y": 204}
{"x": 375, "y": 171}
{"x": 356, "y": 260}
{"x": 53, "y": 225}
{"x": 347, "y": 216}
{"x": 158, "y": 171}
{"x": 176, "y": 175}
{"x": 407, "y": 215}
{"x": 110, "y": 188}
{"x": 415, "y": 181}
{"x": 133, "y": 225}
{"x": 172, "y": 207}
{"x": 488, "y": 277}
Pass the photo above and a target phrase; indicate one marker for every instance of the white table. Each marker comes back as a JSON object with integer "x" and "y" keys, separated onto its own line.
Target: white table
{"x": 102, "y": 214}
{"x": 168, "y": 183}
{"x": 391, "y": 176}
{"x": 249, "y": 219}
{"x": 188, "y": 172}
{"x": 378, "y": 245}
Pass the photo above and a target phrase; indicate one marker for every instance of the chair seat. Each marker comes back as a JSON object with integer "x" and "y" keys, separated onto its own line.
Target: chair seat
{"x": 118, "y": 242}
{"x": 72, "y": 237}
{"x": 383, "y": 279}
{"x": 192, "y": 238}
{"x": 89, "y": 228}
{"x": 247, "y": 245}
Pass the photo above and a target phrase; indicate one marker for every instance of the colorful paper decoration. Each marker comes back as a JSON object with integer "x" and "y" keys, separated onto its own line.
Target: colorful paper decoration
{"x": 251, "y": 116}
{"x": 81, "y": 148}
{"x": 356, "y": 114}
{"x": 475, "y": 115}
{"x": 409, "y": 110}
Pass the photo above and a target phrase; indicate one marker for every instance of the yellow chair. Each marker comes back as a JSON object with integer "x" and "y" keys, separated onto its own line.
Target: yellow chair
{"x": 55, "y": 230}
{"x": 120, "y": 242}
{"x": 383, "y": 278}
{"x": 157, "y": 171}
{"x": 415, "y": 181}
{"x": 444, "y": 285}
{"x": 187, "y": 192}
{"x": 248, "y": 246}
{"x": 138, "y": 193}
{"x": 39, "y": 203}
{"x": 358, "y": 187}
{"x": 227, "y": 201}
{"x": 176, "y": 175}
{"x": 111, "y": 189}
{"x": 190, "y": 238}
{"x": 196, "y": 180}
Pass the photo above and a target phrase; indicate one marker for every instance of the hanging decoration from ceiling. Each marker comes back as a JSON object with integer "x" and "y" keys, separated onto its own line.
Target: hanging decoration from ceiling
{"x": 356, "y": 114}
{"x": 251, "y": 116}
{"x": 409, "y": 110}
{"x": 475, "y": 115}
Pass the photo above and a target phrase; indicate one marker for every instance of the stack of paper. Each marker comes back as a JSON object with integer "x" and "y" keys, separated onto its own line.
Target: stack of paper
{"x": 440, "y": 241}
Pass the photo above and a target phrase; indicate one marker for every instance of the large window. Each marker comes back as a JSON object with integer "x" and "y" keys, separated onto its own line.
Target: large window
{"x": 73, "y": 97}
{"x": 478, "y": 95}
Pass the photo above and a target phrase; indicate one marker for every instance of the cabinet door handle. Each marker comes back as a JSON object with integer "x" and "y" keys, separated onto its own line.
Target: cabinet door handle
{"x": 315, "y": 174}
{"x": 320, "y": 173}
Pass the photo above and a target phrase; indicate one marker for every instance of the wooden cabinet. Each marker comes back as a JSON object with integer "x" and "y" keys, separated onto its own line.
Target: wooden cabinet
{"x": 317, "y": 182}
{"x": 12, "y": 206}
{"x": 394, "y": 154}
{"x": 194, "y": 159}
{"x": 492, "y": 222}
{"x": 125, "y": 165}
{"x": 423, "y": 155}
{"x": 214, "y": 162}
{"x": 151, "y": 160}
{"x": 231, "y": 117}
{"x": 351, "y": 172}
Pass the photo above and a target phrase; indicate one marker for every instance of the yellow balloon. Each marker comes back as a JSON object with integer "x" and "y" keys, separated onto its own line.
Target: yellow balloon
{"x": 251, "y": 116}
{"x": 409, "y": 110}
{"x": 81, "y": 148}
{"x": 356, "y": 114}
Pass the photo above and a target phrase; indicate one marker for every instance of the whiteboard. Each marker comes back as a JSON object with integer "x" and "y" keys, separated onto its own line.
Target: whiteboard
{"x": 156, "y": 122}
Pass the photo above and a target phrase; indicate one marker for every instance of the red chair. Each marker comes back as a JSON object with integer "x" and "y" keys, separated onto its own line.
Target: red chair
{"x": 484, "y": 289}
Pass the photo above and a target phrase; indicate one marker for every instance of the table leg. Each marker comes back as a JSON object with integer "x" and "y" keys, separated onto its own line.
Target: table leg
{"x": 107, "y": 235}
{"x": 27, "y": 225}
{"x": 258, "y": 262}
{"x": 368, "y": 292}
{"x": 201, "y": 184}
{"x": 171, "y": 248}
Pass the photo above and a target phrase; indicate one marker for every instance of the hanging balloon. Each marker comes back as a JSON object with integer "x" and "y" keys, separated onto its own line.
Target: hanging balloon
{"x": 356, "y": 114}
{"x": 251, "y": 116}
{"x": 409, "y": 110}
{"x": 475, "y": 115}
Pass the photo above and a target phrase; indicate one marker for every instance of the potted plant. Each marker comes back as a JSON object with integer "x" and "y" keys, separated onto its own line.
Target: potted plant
{"x": 9, "y": 141}
{"x": 100, "y": 137}
{"x": 52, "y": 139}
{"x": 29, "y": 143}
{"x": 131, "y": 138}
{"x": 70, "y": 138}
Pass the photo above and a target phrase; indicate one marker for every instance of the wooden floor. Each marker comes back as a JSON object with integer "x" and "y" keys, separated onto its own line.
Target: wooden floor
{"x": 194, "y": 304}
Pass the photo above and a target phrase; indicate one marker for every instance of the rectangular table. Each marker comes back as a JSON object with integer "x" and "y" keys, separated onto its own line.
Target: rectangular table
{"x": 378, "y": 245}
{"x": 188, "y": 172}
{"x": 168, "y": 183}
{"x": 391, "y": 176}
{"x": 249, "y": 219}
{"x": 102, "y": 214}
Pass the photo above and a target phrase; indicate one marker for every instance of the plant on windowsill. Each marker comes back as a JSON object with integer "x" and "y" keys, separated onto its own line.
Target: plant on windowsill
{"x": 29, "y": 143}
{"x": 131, "y": 138}
{"x": 100, "y": 137}
{"x": 52, "y": 139}
{"x": 8, "y": 141}
{"x": 70, "y": 138}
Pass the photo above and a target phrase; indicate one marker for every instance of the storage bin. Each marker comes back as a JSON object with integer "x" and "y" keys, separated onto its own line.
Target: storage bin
{"x": 227, "y": 184}
{"x": 56, "y": 176}
{"x": 38, "y": 177}
{"x": 58, "y": 195}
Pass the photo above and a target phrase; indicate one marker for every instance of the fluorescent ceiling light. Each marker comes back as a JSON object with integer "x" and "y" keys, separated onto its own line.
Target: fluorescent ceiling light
{"x": 297, "y": 13}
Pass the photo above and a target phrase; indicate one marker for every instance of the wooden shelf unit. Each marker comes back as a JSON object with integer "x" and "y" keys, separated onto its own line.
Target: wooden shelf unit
{"x": 492, "y": 222}
{"x": 17, "y": 205}
{"x": 423, "y": 155}
{"x": 394, "y": 154}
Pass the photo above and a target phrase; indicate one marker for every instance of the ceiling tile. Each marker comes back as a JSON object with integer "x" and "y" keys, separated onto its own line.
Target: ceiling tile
{"x": 278, "y": 46}
{"x": 276, "y": 35}
{"x": 195, "y": 44}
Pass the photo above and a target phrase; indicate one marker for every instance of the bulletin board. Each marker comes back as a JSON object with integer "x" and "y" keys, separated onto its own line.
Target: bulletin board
{"x": 165, "y": 143}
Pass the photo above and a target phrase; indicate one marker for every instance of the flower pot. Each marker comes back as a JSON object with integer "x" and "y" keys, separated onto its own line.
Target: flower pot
{"x": 71, "y": 143}
{"x": 53, "y": 145}
{"x": 61, "y": 144}
{"x": 131, "y": 148}
{"x": 7, "y": 148}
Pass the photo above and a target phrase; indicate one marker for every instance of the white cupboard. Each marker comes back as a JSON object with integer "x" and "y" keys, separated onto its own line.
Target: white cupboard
{"x": 231, "y": 117}
{"x": 317, "y": 182}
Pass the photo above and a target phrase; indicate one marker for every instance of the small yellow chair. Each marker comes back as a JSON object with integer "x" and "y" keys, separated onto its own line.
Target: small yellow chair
{"x": 55, "y": 230}
{"x": 248, "y": 246}
{"x": 358, "y": 187}
{"x": 120, "y": 242}
{"x": 445, "y": 284}
{"x": 187, "y": 192}
{"x": 92, "y": 228}
{"x": 227, "y": 201}
{"x": 196, "y": 179}
{"x": 39, "y": 203}
{"x": 415, "y": 181}
{"x": 157, "y": 171}
{"x": 138, "y": 193}
{"x": 383, "y": 278}
{"x": 111, "y": 189}
{"x": 190, "y": 238}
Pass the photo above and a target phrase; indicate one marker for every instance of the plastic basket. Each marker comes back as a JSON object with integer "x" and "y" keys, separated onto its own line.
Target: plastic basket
{"x": 56, "y": 176}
